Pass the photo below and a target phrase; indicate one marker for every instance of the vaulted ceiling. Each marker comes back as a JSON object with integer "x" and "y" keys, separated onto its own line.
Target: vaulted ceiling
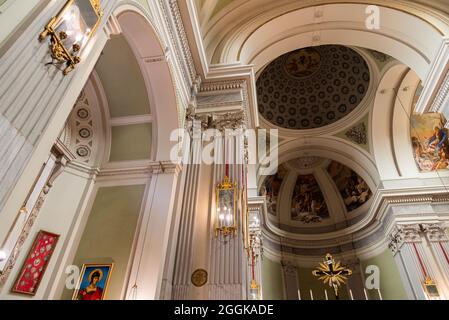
{"x": 312, "y": 87}
{"x": 212, "y": 8}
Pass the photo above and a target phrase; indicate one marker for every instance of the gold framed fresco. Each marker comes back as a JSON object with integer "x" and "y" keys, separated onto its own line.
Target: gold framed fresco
{"x": 93, "y": 282}
{"x": 429, "y": 139}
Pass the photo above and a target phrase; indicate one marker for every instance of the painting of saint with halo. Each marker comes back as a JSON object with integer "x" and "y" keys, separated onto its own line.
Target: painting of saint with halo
{"x": 93, "y": 282}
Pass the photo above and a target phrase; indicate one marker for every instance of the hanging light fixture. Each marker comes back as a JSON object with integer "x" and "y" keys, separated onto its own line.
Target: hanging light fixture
{"x": 226, "y": 200}
{"x": 71, "y": 30}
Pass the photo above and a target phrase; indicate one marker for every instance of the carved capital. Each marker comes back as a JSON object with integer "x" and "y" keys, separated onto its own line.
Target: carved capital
{"x": 229, "y": 120}
{"x": 403, "y": 234}
{"x": 435, "y": 232}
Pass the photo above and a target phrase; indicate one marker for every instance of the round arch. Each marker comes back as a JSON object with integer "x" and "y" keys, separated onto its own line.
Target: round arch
{"x": 264, "y": 38}
{"x": 156, "y": 70}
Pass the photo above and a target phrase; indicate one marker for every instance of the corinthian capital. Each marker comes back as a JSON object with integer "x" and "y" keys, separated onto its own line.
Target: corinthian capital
{"x": 229, "y": 120}
{"x": 403, "y": 234}
{"x": 435, "y": 232}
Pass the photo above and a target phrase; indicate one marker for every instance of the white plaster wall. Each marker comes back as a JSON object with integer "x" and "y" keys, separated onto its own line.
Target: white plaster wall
{"x": 12, "y": 14}
{"x": 60, "y": 208}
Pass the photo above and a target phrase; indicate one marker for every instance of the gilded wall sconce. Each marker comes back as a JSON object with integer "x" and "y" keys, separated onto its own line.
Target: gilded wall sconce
{"x": 71, "y": 30}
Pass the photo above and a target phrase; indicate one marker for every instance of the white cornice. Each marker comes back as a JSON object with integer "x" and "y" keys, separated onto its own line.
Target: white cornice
{"x": 370, "y": 237}
{"x": 130, "y": 120}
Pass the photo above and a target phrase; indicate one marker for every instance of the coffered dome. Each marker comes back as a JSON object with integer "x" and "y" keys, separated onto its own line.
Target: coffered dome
{"x": 312, "y": 87}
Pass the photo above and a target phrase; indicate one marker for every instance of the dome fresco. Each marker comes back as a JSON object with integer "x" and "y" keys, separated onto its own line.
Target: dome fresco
{"x": 312, "y": 87}
{"x": 315, "y": 179}
{"x": 308, "y": 203}
{"x": 353, "y": 189}
{"x": 271, "y": 188}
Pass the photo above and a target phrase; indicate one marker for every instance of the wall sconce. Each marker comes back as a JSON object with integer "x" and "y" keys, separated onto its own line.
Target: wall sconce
{"x": 226, "y": 197}
{"x": 71, "y": 30}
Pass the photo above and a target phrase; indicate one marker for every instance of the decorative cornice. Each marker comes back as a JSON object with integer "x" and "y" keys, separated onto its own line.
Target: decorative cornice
{"x": 222, "y": 85}
{"x": 370, "y": 233}
{"x": 148, "y": 168}
{"x": 175, "y": 27}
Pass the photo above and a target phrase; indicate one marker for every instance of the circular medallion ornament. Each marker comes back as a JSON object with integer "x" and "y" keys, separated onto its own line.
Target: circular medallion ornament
{"x": 83, "y": 113}
{"x": 302, "y": 63}
{"x": 199, "y": 277}
{"x": 83, "y": 151}
{"x": 85, "y": 133}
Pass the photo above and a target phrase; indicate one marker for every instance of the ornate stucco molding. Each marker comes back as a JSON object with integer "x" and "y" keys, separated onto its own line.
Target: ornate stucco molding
{"x": 435, "y": 232}
{"x": 379, "y": 225}
{"x": 403, "y": 234}
{"x": 228, "y": 121}
{"x": 177, "y": 36}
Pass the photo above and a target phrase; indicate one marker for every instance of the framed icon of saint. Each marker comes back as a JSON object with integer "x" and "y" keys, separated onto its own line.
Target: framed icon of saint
{"x": 93, "y": 282}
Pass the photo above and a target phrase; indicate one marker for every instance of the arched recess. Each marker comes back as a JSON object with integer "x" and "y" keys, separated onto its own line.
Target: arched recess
{"x": 130, "y": 182}
{"x": 381, "y": 121}
{"x": 155, "y": 68}
{"x": 334, "y": 149}
{"x": 69, "y": 219}
{"x": 403, "y": 34}
{"x": 87, "y": 133}
{"x": 391, "y": 128}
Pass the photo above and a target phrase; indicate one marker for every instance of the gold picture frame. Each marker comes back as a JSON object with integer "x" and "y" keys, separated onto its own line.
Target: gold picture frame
{"x": 84, "y": 289}
{"x": 62, "y": 48}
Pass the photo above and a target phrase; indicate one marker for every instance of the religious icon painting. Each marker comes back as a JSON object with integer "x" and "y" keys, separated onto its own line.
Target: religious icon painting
{"x": 93, "y": 282}
{"x": 35, "y": 263}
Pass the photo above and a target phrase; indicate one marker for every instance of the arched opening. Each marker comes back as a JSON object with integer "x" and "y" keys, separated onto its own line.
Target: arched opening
{"x": 117, "y": 137}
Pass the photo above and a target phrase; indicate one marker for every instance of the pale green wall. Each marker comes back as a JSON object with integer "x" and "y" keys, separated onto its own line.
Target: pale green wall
{"x": 131, "y": 142}
{"x": 122, "y": 79}
{"x": 109, "y": 233}
{"x": 272, "y": 280}
{"x": 391, "y": 286}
